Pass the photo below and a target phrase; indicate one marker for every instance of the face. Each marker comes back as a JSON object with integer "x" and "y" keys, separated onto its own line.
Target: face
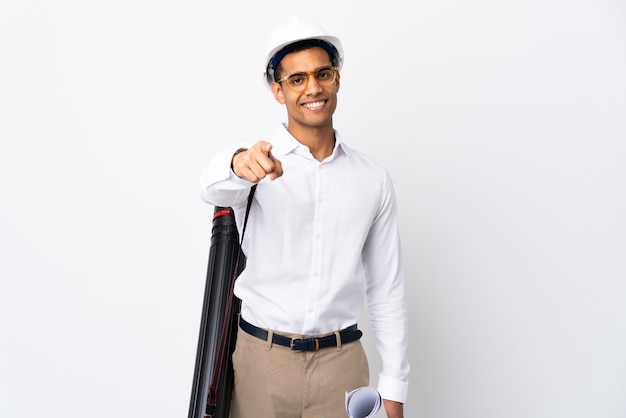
{"x": 313, "y": 107}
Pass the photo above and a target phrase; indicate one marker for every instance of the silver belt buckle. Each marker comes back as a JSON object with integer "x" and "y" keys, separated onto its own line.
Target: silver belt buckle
{"x": 315, "y": 347}
{"x": 292, "y": 344}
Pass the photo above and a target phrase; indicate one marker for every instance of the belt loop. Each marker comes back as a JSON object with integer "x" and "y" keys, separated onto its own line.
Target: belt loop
{"x": 338, "y": 337}
{"x": 270, "y": 337}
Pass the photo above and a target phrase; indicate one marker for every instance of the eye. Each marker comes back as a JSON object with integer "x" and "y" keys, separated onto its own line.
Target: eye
{"x": 325, "y": 73}
{"x": 296, "y": 79}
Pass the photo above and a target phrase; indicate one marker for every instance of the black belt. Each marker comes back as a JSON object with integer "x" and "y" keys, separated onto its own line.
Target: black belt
{"x": 347, "y": 335}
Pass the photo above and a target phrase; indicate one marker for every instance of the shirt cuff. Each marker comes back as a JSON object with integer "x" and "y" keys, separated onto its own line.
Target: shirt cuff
{"x": 392, "y": 389}
{"x": 219, "y": 171}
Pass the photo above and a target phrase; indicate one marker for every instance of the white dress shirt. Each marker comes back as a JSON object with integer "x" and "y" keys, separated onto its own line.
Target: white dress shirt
{"x": 321, "y": 240}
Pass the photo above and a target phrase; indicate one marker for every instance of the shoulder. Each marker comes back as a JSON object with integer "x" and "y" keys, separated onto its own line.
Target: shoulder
{"x": 362, "y": 161}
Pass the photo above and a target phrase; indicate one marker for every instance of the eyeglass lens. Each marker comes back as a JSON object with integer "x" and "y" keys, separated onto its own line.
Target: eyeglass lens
{"x": 324, "y": 76}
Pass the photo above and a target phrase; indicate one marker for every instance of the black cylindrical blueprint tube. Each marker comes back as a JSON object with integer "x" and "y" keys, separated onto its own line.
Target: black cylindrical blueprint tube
{"x": 213, "y": 374}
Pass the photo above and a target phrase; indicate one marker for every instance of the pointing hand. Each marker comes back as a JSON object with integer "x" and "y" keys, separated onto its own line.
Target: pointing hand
{"x": 255, "y": 163}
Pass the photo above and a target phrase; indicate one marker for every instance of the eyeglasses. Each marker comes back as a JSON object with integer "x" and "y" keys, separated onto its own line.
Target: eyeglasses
{"x": 324, "y": 76}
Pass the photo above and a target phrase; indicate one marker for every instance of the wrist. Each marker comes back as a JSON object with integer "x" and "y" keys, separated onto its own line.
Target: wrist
{"x": 232, "y": 160}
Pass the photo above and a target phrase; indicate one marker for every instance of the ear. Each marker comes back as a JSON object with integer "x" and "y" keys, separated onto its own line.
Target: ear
{"x": 337, "y": 80}
{"x": 277, "y": 90}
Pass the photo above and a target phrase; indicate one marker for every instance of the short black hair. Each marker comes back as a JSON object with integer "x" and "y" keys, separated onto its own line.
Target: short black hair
{"x": 275, "y": 62}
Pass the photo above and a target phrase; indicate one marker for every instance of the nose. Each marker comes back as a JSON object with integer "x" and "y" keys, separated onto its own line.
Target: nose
{"x": 310, "y": 88}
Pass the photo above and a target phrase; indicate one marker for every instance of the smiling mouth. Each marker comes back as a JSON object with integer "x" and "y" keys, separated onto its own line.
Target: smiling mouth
{"x": 314, "y": 105}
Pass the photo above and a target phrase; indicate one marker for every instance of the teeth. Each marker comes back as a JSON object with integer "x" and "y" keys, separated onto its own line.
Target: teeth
{"x": 313, "y": 105}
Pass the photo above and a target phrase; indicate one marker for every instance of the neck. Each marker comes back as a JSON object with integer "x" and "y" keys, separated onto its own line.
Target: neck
{"x": 320, "y": 141}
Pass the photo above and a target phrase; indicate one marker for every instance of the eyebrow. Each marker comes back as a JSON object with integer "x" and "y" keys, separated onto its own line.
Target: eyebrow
{"x": 305, "y": 72}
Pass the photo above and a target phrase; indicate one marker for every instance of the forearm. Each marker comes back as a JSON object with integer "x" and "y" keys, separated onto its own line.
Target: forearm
{"x": 219, "y": 185}
{"x": 389, "y": 322}
{"x": 393, "y": 409}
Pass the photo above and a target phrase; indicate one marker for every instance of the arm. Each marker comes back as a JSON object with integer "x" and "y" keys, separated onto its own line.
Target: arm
{"x": 382, "y": 258}
{"x": 227, "y": 179}
{"x": 393, "y": 409}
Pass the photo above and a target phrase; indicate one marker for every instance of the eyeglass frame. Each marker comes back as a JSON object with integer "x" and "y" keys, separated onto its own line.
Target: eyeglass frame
{"x": 307, "y": 75}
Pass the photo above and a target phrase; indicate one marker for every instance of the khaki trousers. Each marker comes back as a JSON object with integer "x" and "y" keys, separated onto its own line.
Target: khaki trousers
{"x": 273, "y": 381}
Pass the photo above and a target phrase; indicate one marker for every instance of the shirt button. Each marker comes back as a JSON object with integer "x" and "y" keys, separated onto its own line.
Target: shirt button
{"x": 311, "y": 309}
{"x": 315, "y": 274}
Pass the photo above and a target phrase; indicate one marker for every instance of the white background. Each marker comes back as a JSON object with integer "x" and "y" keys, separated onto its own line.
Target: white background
{"x": 502, "y": 123}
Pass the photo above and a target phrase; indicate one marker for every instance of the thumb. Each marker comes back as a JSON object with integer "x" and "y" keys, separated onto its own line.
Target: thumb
{"x": 278, "y": 168}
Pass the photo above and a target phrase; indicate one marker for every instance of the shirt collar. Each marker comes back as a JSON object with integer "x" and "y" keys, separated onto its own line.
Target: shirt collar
{"x": 284, "y": 143}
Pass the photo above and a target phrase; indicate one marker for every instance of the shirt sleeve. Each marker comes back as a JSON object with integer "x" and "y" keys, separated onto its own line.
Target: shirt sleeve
{"x": 218, "y": 183}
{"x": 382, "y": 259}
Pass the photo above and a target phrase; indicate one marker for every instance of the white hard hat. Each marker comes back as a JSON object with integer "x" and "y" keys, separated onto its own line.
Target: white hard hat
{"x": 293, "y": 31}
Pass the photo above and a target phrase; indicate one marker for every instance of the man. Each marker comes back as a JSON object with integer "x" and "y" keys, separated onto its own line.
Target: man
{"x": 322, "y": 237}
